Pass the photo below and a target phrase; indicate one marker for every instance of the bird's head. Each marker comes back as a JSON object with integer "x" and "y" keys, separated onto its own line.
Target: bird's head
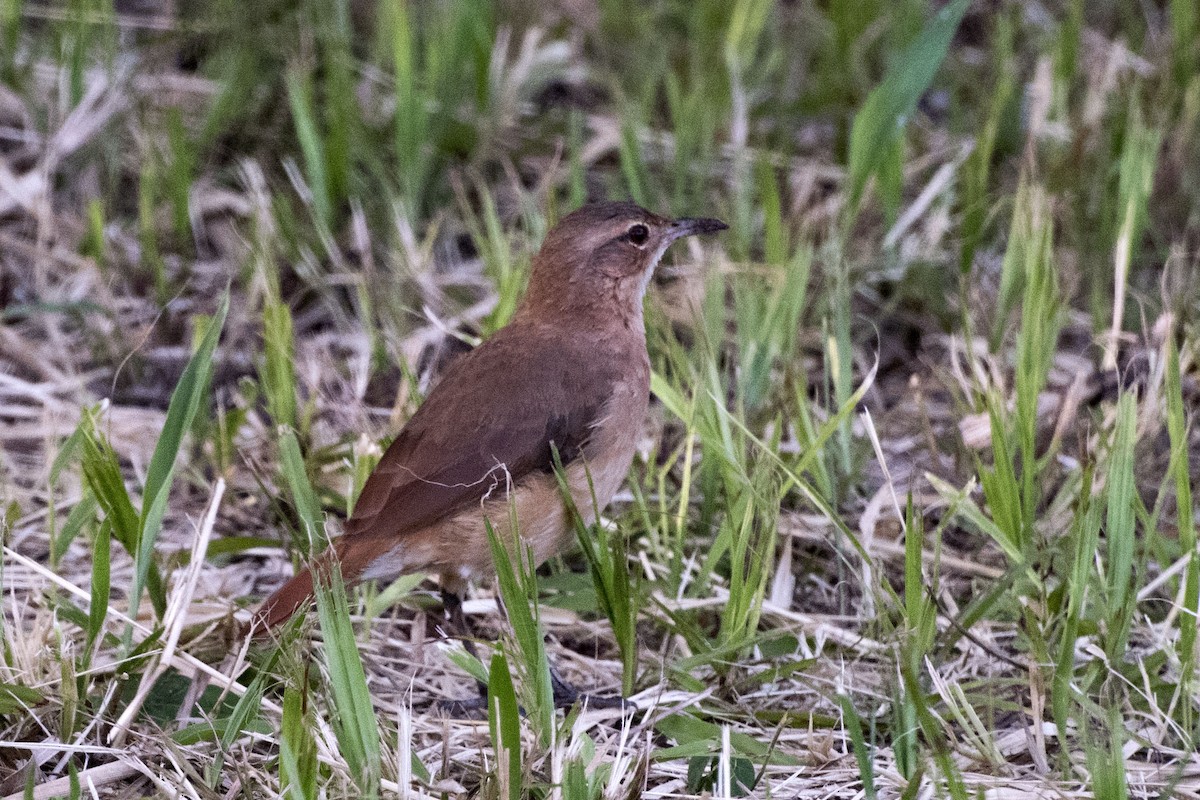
{"x": 604, "y": 253}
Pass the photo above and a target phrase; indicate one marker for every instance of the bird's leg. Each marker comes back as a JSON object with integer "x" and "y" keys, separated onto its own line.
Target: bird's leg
{"x": 566, "y": 695}
{"x": 456, "y": 621}
{"x": 457, "y": 627}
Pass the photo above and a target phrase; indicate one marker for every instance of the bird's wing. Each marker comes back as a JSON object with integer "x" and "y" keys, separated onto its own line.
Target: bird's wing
{"x": 484, "y": 427}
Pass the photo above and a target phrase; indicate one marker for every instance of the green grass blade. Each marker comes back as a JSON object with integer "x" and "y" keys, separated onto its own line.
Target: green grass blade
{"x": 190, "y": 393}
{"x": 299, "y": 93}
{"x": 504, "y": 723}
{"x": 517, "y": 582}
{"x": 1119, "y": 530}
{"x": 1185, "y": 35}
{"x": 978, "y": 167}
{"x": 862, "y": 751}
{"x": 1085, "y": 531}
{"x": 279, "y": 374}
{"x": 82, "y": 513}
{"x": 1036, "y": 343}
{"x": 102, "y": 473}
{"x": 101, "y": 584}
{"x": 355, "y": 723}
{"x": 308, "y": 508}
{"x": 297, "y": 746}
{"x": 410, "y": 132}
{"x": 880, "y": 122}
{"x": 1180, "y": 469}
{"x": 618, "y": 591}
{"x": 242, "y": 715}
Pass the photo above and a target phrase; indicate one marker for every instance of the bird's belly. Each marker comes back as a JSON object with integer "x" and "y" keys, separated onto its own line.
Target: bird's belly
{"x": 458, "y": 547}
{"x": 542, "y": 521}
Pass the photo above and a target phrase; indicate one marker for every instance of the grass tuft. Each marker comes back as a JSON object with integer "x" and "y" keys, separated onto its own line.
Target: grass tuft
{"x": 911, "y": 513}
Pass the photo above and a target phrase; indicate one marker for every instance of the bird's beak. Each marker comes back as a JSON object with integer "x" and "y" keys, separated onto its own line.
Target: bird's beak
{"x": 690, "y": 226}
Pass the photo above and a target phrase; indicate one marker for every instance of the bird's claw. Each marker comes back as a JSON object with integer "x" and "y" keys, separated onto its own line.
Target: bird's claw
{"x": 566, "y": 696}
{"x": 464, "y": 708}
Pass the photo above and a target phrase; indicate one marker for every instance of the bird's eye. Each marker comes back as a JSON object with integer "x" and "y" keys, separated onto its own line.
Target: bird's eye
{"x": 638, "y": 234}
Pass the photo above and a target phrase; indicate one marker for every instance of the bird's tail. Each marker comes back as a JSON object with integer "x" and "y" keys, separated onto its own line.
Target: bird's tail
{"x": 295, "y": 594}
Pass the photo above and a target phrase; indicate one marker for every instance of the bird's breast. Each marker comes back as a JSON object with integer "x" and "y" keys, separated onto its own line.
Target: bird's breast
{"x": 611, "y": 446}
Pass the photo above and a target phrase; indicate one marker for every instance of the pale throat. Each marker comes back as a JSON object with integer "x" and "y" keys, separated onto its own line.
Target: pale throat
{"x": 644, "y": 281}
{"x": 634, "y": 300}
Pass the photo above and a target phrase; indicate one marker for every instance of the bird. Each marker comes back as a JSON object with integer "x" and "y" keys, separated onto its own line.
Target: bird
{"x": 569, "y": 375}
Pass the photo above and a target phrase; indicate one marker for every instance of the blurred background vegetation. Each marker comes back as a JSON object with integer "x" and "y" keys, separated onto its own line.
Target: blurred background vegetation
{"x": 913, "y": 508}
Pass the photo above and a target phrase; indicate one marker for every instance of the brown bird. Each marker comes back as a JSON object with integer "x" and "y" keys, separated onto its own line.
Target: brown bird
{"x": 569, "y": 373}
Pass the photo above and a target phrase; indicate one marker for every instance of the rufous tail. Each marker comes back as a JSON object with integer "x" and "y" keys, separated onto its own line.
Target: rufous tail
{"x": 296, "y": 593}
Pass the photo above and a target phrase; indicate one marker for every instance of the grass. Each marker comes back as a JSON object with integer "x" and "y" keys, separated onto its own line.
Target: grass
{"x": 913, "y": 510}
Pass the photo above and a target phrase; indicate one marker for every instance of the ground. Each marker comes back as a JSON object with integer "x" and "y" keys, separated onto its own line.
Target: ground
{"x": 912, "y": 513}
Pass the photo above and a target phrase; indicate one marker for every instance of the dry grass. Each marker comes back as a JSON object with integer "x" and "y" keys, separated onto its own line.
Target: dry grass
{"x": 380, "y": 294}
